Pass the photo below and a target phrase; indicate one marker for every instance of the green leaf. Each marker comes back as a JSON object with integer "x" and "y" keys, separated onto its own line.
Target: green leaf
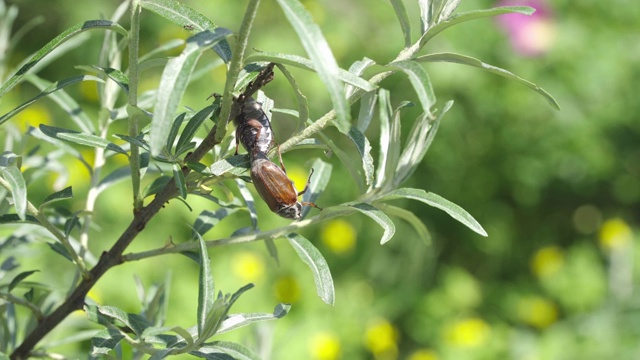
{"x": 411, "y": 218}
{"x": 18, "y": 278}
{"x": 80, "y": 138}
{"x": 105, "y": 341}
{"x": 379, "y": 217}
{"x": 189, "y": 19}
{"x": 181, "y": 183}
{"x": 364, "y": 149}
{"x": 63, "y": 194}
{"x": 234, "y": 165}
{"x": 116, "y": 75}
{"x": 304, "y": 63}
{"x": 192, "y": 126}
{"x": 52, "y": 88}
{"x": 18, "y": 189}
{"x": 66, "y": 103}
{"x": 367, "y": 110}
{"x": 419, "y": 141}
{"x": 303, "y": 104}
{"x": 448, "y": 8}
{"x": 469, "y": 61}
{"x": 236, "y": 321}
{"x": 318, "y": 265}
{"x": 420, "y": 81}
{"x": 175, "y": 128}
{"x": 251, "y": 206}
{"x": 358, "y": 68}
{"x": 320, "y": 53}
{"x": 384, "y": 107}
{"x": 173, "y": 83}
{"x": 403, "y": 17}
{"x": 206, "y": 288}
{"x": 134, "y": 322}
{"x": 439, "y": 202}
{"x": 225, "y": 350}
{"x": 66, "y": 35}
{"x": 472, "y": 15}
{"x": 319, "y": 181}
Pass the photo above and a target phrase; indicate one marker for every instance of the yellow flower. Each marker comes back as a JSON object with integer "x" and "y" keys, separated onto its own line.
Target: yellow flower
{"x": 324, "y": 346}
{"x": 537, "y": 311}
{"x": 547, "y": 261}
{"x": 424, "y": 354}
{"x": 381, "y": 339}
{"x": 339, "y": 236}
{"x": 248, "y": 266}
{"x": 287, "y": 289}
{"x": 468, "y": 333}
{"x": 615, "y": 234}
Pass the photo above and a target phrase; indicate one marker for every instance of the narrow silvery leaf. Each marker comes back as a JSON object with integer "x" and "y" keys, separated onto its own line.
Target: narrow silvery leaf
{"x": 181, "y": 182}
{"x": 303, "y": 104}
{"x": 318, "y": 182}
{"x": 134, "y": 322}
{"x": 367, "y": 110}
{"x": 439, "y": 202}
{"x": 318, "y": 265}
{"x": 192, "y": 126}
{"x": 206, "y": 287}
{"x": 66, "y": 103}
{"x": 383, "y": 220}
{"x": 470, "y": 61}
{"x": 425, "y": 15}
{"x": 393, "y": 154}
{"x": 411, "y": 218}
{"x": 420, "y": 81}
{"x": 81, "y": 139}
{"x": 236, "y": 321}
{"x": 419, "y": 141}
{"x": 364, "y": 149}
{"x": 173, "y": 83}
{"x": 225, "y": 350}
{"x": 175, "y": 128}
{"x": 384, "y": 112}
{"x": 63, "y": 194}
{"x": 191, "y": 20}
{"x": 303, "y": 63}
{"x": 248, "y": 200}
{"x": 472, "y": 15}
{"x": 403, "y": 17}
{"x": 116, "y": 75}
{"x": 320, "y": 53}
{"x": 18, "y": 189}
{"x": 18, "y": 278}
{"x": 449, "y": 7}
{"x": 357, "y": 68}
{"x": 56, "y": 42}
{"x": 52, "y": 88}
{"x": 105, "y": 341}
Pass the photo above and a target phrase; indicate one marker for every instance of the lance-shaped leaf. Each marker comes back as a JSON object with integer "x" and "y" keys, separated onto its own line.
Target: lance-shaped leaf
{"x": 439, "y": 202}
{"x": 384, "y": 111}
{"x": 470, "y": 61}
{"x": 472, "y": 15}
{"x": 191, "y": 20}
{"x": 16, "y": 280}
{"x": 181, "y": 182}
{"x": 207, "y": 220}
{"x": 105, "y": 341}
{"x": 52, "y": 88}
{"x": 379, "y": 217}
{"x": 420, "y": 81}
{"x": 206, "y": 288}
{"x": 66, "y": 103}
{"x": 403, "y": 17}
{"x": 303, "y": 104}
{"x": 173, "y": 83}
{"x": 234, "y": 165}
{"x": 80, "y": 138}
{"x": 116, "y": 75}
{"x": 218, "y": 313}
{"x": 411, "y": 218}
{"x": 236, "y": 321}
{"x": 318, "y": 265}
{"x": 63, "y": 194}
{"x": 192, "y": 126}
{"x": 225, "y": 350}
{"x": 358, "y": 68}
{"x": 420, "y": 139}
{"x": 367, "y": 110}
{"x": 66, "y": 35}
{"x": 318, "y": 182}
{"x": 448, "y": 8}
{"x": 320, "y": 53}
{"x": 364, "y": 150}
{"x": 18, "y": 189}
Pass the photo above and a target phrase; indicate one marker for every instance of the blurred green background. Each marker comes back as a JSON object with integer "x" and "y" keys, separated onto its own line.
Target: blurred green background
{"x": 558, "y": 193}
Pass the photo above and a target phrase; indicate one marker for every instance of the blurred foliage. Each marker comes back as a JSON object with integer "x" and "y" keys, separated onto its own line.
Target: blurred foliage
{"x": 558, "y": 193}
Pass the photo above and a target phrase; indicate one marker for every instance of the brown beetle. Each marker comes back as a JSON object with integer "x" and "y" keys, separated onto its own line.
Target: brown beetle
{"x": 253, "y": 128}
{"x": 275, "y": 188}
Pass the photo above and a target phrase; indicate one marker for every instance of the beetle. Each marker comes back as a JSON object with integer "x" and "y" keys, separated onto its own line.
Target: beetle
{"x": 275, "y": 187}
{"x": 253, "y": 128}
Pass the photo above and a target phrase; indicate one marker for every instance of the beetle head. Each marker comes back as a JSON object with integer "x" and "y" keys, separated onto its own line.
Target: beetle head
{"x": 291, "y": 211}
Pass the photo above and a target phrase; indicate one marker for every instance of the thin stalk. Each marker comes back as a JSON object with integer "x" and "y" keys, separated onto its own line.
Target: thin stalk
{"x": 237, "y": 62}
{"x": 134, "y": 160}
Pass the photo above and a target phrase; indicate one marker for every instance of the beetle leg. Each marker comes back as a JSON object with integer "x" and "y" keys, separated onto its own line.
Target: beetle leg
{"x": 307, "y": 186}
{"x": 280, "y": 158}
{"x": 306, "y": 203}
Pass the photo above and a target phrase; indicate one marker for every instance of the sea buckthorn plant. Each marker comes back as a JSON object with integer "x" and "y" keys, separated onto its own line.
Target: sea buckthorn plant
{"x": 174, "y": 155}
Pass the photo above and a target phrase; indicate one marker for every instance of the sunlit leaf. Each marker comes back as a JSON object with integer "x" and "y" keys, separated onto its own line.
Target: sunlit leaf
{"x": 403, "y": 17}
{"x": 236, "y": 321}
{"x": 470, "y": 61}
{"x": 18, "y": 189}
{"x": 206, "y": 287}
{"x": 439, "y": 202}
{"x": 318, "y": 265}
{"x": 80, "y": 138}
{"x": 383, "y": 220}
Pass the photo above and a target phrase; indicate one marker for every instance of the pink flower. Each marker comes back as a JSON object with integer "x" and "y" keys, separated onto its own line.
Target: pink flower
{"x": 530, "y": 35}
